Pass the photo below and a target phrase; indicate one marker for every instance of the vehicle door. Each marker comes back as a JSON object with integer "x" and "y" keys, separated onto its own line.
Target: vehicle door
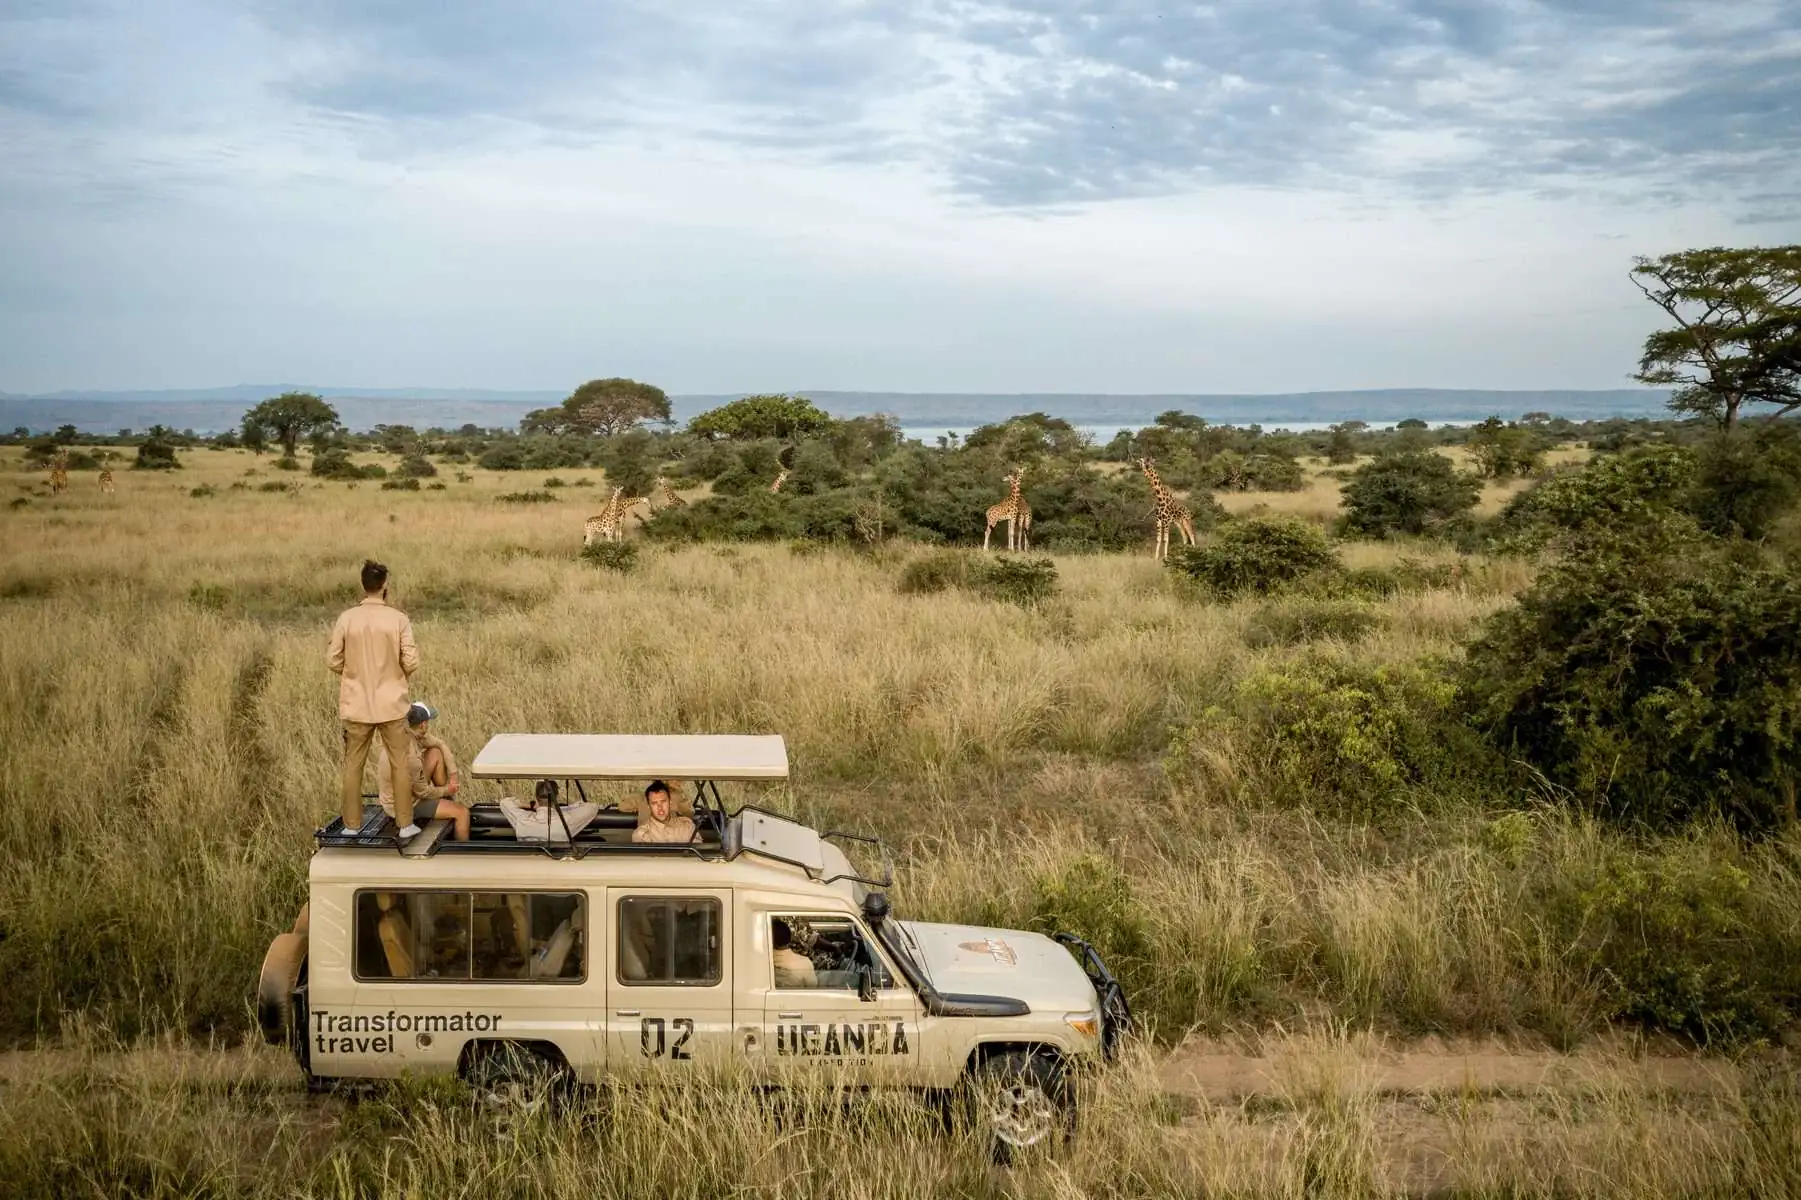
{"x": 433, "y": 969}
{"x": 669, "y": 978}
{"x": 817, "y": 1014}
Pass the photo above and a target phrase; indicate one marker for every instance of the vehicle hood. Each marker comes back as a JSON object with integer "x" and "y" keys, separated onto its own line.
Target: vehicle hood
{"x": 973, "y": 960}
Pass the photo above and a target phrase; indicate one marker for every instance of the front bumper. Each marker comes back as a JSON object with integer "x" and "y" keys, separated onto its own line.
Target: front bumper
{"x": 1116, "y": 1012}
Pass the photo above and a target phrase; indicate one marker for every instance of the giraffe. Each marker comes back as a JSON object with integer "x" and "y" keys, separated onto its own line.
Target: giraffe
{"x": 1014, "y": 511}
{"x": 1167, "y": 511}
{"x": 609, "y": 522}
{"x": 106, "y": 480}
{"x": 777, "y": 485}
{"x": 59, "y": 472}
{"x": 670, "y": 499}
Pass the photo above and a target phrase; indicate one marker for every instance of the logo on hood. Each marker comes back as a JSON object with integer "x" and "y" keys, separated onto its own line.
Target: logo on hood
{"x": 1003, "y": 953}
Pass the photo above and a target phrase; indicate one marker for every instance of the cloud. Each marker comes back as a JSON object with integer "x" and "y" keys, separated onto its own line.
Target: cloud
{"x": 1012, "y": 104}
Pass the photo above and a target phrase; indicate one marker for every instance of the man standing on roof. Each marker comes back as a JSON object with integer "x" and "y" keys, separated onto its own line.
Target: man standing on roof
{"x": 373, "y": 655}
{"x": 658, "y": 824}
{"x": 432, "y": 772}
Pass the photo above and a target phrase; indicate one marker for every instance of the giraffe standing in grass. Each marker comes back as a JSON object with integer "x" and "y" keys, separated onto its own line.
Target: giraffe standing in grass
{"x": 609, "y": 523}
{"x": 777, "y": 485}
{"x": 670, "y": 499}
{"x": 106, "y": 481}
{"x": 1014, "y": 511}
{"x": 1167, "y": 510}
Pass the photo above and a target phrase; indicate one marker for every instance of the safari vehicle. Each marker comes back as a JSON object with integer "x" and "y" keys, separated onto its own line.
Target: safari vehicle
{"x": 592, "y": 957}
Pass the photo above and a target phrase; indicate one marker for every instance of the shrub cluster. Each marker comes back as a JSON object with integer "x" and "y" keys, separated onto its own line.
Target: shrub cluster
{"x": 1334, "y": 733}
{"x": 1023, "y": 581}
{"x": 1408, "y": 493}
{"x": 1256, "y": 556}
{"x": 333, "y": 462}
{"x": 1655, "y": 672}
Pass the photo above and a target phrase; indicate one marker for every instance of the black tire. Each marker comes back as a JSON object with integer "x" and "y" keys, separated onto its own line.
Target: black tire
{"x": 510, "y": 1079}
{"x": 1022, "y": 1102}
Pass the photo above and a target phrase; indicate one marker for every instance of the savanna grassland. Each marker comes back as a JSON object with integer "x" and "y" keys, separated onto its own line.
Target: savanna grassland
{"x": 1094, "y": 761}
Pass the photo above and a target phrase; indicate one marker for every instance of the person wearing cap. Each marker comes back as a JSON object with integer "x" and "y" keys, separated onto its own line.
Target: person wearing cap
{"x": 373, "y": 654}
{"x": 431, "y": 772}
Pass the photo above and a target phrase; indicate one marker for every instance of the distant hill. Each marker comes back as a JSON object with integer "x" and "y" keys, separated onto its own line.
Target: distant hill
{"x": 210, "y": 410}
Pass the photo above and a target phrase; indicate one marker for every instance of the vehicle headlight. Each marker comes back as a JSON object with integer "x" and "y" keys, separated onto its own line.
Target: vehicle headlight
{"x": 1088, "y": 1024}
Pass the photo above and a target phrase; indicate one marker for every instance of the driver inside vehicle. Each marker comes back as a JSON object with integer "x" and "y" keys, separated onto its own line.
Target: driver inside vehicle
{"x": 792, "y": 968}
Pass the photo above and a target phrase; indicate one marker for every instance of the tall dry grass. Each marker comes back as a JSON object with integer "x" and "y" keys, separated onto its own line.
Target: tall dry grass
{"x": 170, "y": 742}
{"x": 97, "y": 1122}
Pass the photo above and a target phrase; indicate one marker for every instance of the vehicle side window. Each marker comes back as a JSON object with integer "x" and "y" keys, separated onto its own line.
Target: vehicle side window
{"x": 669, "y": 940}
{"x": 818, "y": 951}
{"x": 470, "y": 936}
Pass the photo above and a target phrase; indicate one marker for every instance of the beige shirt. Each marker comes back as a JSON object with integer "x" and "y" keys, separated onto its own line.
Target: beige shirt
{"x": 423, "y": 788}
{"x": 793, "y": 969}
{"x": 675, "y": 829}
{"x": 373, "y": 654}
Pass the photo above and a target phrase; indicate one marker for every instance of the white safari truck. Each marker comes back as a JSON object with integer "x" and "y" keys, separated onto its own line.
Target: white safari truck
{"x": 591, "y": 956}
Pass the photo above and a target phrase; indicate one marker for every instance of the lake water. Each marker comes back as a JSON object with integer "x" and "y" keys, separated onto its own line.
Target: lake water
{"x": 1102, "y": 434}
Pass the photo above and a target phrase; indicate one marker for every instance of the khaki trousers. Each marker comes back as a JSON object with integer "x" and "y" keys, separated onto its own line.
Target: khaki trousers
{"x": 357, "y": 736}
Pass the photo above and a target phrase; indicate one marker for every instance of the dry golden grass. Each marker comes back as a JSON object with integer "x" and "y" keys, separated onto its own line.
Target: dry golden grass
{"x": 171, "y": 742}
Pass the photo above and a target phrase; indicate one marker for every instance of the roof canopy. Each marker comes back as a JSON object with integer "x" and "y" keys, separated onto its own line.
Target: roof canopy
{"x": 632, "y": 756}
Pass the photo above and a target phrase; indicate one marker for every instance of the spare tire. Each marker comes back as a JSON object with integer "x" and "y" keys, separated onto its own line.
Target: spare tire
{"x": 275, "y": 985}
{"x": 301, "y": 922}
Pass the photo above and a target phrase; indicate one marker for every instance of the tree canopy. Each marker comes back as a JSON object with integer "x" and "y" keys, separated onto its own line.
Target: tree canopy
{"x": 1737, "y": 338}
{"x": 290, "y": 417}
{"x": 772, "y": 416}
{"x": 601, "y": 407}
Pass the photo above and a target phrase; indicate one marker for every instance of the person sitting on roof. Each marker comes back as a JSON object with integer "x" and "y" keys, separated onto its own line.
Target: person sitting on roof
{"x": 433, "y": 771}
{"x": 658, "y": 824}
{"x": 543, "y": 820}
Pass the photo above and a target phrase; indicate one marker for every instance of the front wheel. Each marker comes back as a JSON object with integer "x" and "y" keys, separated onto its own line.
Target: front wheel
{"x": 1022, "y": 1099}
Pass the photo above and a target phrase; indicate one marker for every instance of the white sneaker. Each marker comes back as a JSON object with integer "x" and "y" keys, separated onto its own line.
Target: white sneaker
{"x": 411, "y": 831}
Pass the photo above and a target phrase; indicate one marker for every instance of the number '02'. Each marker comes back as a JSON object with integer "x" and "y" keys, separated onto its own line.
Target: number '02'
{"x": 683, "y": 1025}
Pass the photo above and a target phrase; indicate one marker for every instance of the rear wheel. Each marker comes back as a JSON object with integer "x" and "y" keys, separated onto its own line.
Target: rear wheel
{"x": 1023, "y": 1100}
{"x": 512, "y": 1080}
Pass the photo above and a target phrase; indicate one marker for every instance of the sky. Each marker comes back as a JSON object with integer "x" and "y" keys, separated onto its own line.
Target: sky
{"x": 895, "y": 195}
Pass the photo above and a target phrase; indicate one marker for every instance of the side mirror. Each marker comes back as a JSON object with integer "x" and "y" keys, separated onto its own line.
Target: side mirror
{"x": 865, "y": 982}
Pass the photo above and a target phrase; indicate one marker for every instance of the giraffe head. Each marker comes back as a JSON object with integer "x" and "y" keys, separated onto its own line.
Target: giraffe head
{"x": 1145, "y": 463}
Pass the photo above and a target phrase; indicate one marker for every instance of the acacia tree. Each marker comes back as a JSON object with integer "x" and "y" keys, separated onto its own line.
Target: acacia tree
{"x": 778, "y": 416}
{"x": 290, "y": 417}
{"x": 1737, "y": 339}
{"x": 601, "y": 407}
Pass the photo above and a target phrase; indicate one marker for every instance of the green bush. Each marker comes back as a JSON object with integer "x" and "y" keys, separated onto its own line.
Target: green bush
{"x": 334, "y": 463}
{"x": 1408, "y": 493}
{"x": 275, "y": 485}
{"x": 1610, "y": 492}
{"x": 1335, "y": 734}
{"x": 1023, "y": 581}
{"x": 526, "y": 498}
{"x": 287, "y": 464}
{"x": 1655, "y": 673}
{"x": 203, "y": 492}
{"x": 934, "y": 572}
{"x": 155, "y": 454}
{"x": 1256, "y": 555}
{"x": 415, "y": 466}
{"x": 400, "y": 485}
{"x": 1291, "y": 621}
{"x": 614, "y": 556}
{"x": 554, "y": 482}
{"x": 1744, "y": 481}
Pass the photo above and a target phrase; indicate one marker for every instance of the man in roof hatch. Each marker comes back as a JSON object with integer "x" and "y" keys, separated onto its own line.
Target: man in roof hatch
{"x": 656, "y": 823}
{"x": 373, "y": 655}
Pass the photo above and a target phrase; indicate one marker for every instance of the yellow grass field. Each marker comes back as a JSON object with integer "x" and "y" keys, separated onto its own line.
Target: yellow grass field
{"x": 170, "y": 743}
